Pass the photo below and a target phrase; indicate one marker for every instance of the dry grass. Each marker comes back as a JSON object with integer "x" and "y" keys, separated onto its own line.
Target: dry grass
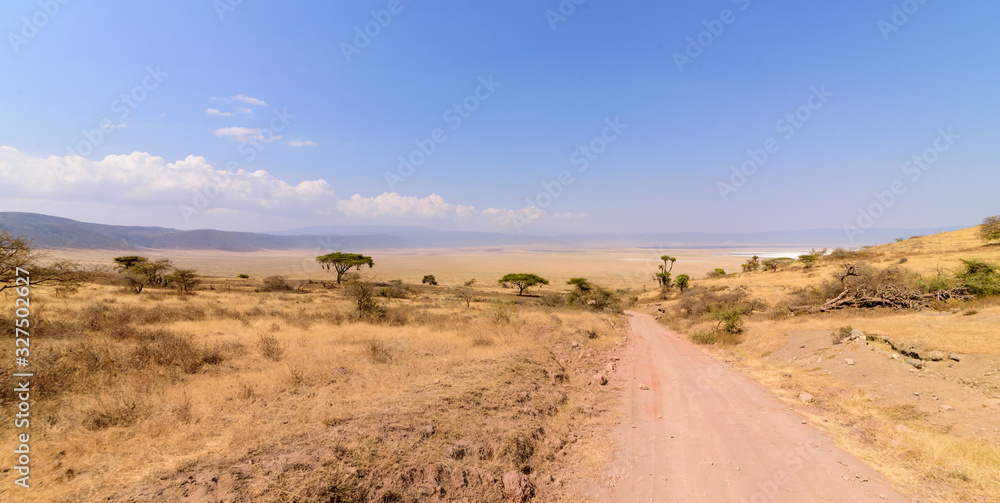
{"x": 288, "y": 396}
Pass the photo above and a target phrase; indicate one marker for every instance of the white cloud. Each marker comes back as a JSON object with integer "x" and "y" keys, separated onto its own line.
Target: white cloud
{"x": 393, "y": 205}
{"x": 249, "y": 100}
{"x": 216, "y": 112}
{"x": 300, "y": 143}
{"x": 244, "y": 134}
{"x": 143, "y": 179}
{"x": 244, "y": 111}
{"x": 143, "y": 184}
{"x": 569, "y": 215}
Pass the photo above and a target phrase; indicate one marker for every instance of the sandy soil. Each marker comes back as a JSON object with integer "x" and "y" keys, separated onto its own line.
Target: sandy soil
{"x": 695, "y": 430}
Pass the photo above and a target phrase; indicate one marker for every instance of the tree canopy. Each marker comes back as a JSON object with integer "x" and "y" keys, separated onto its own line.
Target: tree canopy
{"x": 990, "y": 228}
{"x": 17, "y": 252}
{"x": 522, "y": 281}
{"x": 343, "y": 262}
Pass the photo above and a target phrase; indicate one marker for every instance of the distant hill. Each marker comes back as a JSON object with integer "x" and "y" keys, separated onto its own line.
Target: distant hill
{"x": 57, "y": 232}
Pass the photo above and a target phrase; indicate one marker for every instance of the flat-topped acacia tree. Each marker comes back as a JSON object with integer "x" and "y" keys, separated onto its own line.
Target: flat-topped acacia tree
{"x": 343, "y": 262}
{"x": 522, "y": 281}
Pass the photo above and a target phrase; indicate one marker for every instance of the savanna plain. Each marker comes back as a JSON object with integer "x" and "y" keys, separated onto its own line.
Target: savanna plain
{"x": 269, "y": 380}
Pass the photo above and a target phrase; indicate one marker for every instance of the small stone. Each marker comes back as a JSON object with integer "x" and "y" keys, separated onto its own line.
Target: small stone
{"x": 936, "y": 356}
{"x": 598, "y": 379}
{"x": 575, "y": 345}
{"x": 643, "y": 387}
{"x": 848, "y": 361}
{"x": 945, "y": 407}
{"x": 806, "y": 397}
{"x": 427, "y": 430}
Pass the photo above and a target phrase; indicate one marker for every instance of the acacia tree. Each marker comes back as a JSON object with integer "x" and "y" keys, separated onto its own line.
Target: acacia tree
{"x": 990, "y": 229}
{"x": 429, "y": 280}
{"x": 580, "y": 283}
{"x": 185, "y": 279}
{"x": 140, "y": 272}
{"x": 343, "y": 262}
{"x": 522, "y": 281}
{"x": 17, "y": 252}
{"x": 467, "y": 293}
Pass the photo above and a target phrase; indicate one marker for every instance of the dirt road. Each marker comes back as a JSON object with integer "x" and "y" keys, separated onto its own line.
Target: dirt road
{"x": 704, "y": 433}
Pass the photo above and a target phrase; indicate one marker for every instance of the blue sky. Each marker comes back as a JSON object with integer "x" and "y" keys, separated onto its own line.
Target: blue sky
{"x": 259, "y": 116}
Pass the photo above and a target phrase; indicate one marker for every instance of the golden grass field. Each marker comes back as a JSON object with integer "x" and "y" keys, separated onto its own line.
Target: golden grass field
{"x": 239, "y": 395}
{"x": 236, "y": 394}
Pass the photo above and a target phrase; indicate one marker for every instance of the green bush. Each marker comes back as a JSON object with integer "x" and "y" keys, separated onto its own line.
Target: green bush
{"x": 981, "y": 278}
{"x": 717, "y": 273}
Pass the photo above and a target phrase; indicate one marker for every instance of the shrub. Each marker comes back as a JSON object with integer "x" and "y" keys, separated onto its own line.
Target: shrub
{"x": 752, "y": 264}
{"x": 429, "y": 280}
{"x": 274, "y": 284}
{"x": 378, "y": 351}
{"x": 270, "y": 347}
{"x": 809, "y": 259}
{"x": 243, "y": 276}
{"x": 980, "y": 278}
{"x": 717, "y": 273}
{"x": 683, "y": 282}
{"x": 773, "y": 264}
{"x": 729, "y": 317}
{"x": 363, "y": 294}
{"x": 842, "y": 334}
{"x": 595, "y": 298}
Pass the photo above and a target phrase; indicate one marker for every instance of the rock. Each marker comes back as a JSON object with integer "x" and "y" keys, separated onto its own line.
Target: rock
{"x": 848, "y": 361}
{"x": 858, "y": 335}
{"x": 574, "y": 345}
{"x": 609, "y": 367}
{"x": 915, "y": 362}
{"x": 598, "y": 379}
{"x": 945, "y": 407}
{"x": 806, "y": 397}
{"x": 643, "y": 386}
{"x": 351, "y": 470}
{"x": 936, "y": 356}
{"x": 517, "y": 487}
{"x": 895, "y": 356}
{"x": 955, "y": 356}
{"x": 427, "y": 430}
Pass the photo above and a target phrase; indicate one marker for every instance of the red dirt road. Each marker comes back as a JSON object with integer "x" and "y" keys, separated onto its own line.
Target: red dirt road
{"x": 705, "y": 433}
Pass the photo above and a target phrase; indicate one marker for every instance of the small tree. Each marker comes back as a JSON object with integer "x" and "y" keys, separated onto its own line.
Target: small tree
{"x": 429, "y": 280}
{"x": 990, "y": 229}
{"x": 17, "y": 252}
{"x": 184, "y": 279}
{"x": 522, "y": 281}
{"x": 467, "y": 293}
{"x": 363, "y": 293}
{"x": 809, "y": 259}
{"x": 752, "y": 264}
{"x": 581, "y": 284}
{"x": 343, "y": 262}
{"x": 683, "y": 282}
{"x": 140, "y": 271}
